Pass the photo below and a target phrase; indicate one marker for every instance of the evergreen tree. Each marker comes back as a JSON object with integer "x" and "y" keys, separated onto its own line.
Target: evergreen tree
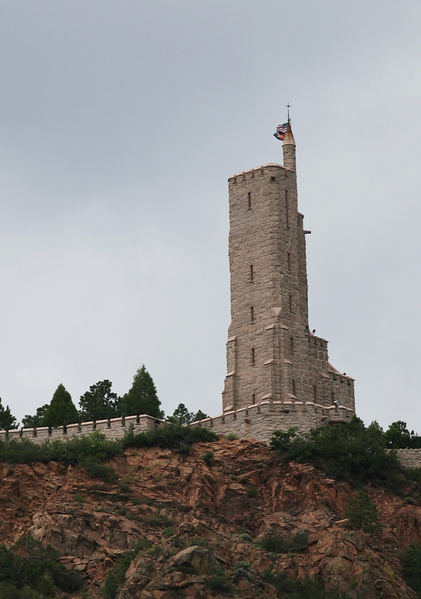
{"x": 199, "y": 416}
{"x": 35, "y": 421}
{"x": 99, "y": 402}
{"x": 61, "y": 409}
{"x": 7, "y": 421}
{"x": 142, "y": 397}
{"x": 181, "y": 415}
{"x": 362, "y": 512}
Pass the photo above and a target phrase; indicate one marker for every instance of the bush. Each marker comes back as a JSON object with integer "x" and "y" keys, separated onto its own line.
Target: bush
{"x": 351, "y": 452}
{"x": 90, "y": 451}
{"x": 30, "y": 565}
{"x": 252, "y": 491}
{"x": 118, "y": 571}
{"x": 172, "y": 436}
{"x": 209, "y": 458}
{"x": 410, "y": 559}
{"x": 363, "y": 513}
{"x": 309, "y": 588}
{"x": 285, "y": 544}
{"x": 219, "y": 583}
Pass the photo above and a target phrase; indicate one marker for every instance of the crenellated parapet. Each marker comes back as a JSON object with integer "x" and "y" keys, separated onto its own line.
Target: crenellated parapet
{"x": 260, "y": 420}
{"x": 112, "y": 428}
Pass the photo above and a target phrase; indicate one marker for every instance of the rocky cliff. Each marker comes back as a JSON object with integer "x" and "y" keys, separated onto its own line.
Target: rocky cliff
{"x": 196, "y": 523}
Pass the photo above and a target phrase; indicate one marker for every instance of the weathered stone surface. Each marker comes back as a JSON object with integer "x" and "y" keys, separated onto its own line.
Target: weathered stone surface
{"x": 270, "y": 356}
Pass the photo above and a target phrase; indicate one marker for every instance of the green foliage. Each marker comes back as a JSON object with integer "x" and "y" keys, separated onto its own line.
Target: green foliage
{"x": 171, "y": 436}
{"x": 117, "y": 573}
{"x": 99, "y": 403}
{"x": 91, "y": 451}
{"x": 232, "y": 436}
{"x": 290, "y": 588}
{"x": 398, "y": 436}
{"x": 219, "y": 583}
{"x": 7, "y": 421}
{"x": 35, "y": 421}
{"x": 96, "y": 469}
{"x": 410, "y": 559}
{"x": 61, "y": 410}
{"x": 142, "y": 397}
{"x": 160, "y": 520}
{"x": 362, "y": 512}
{"x": 209, "y": 458}
{"x": 31, "y": 571}
{"x": 285, "y": 544}
{"x": 252, "y": 491}
{"x": 181, "y": 415}
{"x": 351, "y": 452}
{"x": 199, "y": 416}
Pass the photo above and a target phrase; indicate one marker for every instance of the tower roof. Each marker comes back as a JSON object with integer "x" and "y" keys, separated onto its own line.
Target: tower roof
{"x": 289, "y": 138}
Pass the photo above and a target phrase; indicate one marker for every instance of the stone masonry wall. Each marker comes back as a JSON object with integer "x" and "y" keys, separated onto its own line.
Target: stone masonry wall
{"x": 114, "y": 428}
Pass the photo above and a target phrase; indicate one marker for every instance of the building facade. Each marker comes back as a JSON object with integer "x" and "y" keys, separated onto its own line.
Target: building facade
{"x": 271, "y": 355}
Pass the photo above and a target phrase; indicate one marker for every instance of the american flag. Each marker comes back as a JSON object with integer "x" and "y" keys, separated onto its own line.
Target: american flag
{"x": 280, "y": 131}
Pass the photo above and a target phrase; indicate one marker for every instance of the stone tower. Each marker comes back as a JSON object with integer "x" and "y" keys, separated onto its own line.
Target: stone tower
{"x": 270, "y": 353}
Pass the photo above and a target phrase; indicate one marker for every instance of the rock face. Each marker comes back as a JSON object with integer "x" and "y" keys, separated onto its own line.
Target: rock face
{"x": 200, "y": 525}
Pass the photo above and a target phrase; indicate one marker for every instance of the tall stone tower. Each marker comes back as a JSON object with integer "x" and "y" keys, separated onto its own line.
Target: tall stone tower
{"x": 270, "y": 353}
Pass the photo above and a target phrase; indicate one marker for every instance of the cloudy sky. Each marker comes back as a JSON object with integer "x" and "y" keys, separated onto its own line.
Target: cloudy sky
{"x": 120, "y": 122}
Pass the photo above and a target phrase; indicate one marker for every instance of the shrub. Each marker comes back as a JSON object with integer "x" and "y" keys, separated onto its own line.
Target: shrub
{"x": 252, "y": 491}
{"x": 209, "y": 458}
{"x": 219, "y": 583}
{"x": 97, "y": 469}
{"x": 363, "y": 513}
{"x": 410, "y": 559}
{"x": 160, "y": 520}
{"x": 231, "y": 436}
{"x": 309, "y": 588}
{"x": 118, "y": 571}
{"x": 284, "y": 543}
{"x": 350, "y": 452}
{"x": 30, "y": 565}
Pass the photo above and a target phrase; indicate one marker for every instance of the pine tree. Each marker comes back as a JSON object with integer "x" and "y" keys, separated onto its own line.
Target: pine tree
{"x": 7, "y": 421}
{"x": 61, "y": 410}
{"x": 29, "y": 421}
{"x": 99, "y": 402}
{"x": 142, "y": 397}
{"x": 362, "y": 512}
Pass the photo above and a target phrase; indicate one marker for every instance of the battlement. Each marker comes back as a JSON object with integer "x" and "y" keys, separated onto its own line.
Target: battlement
{"x": 112, "y": 428}
{"x": 256, "y": 172}
{"x": 259, "y": 421}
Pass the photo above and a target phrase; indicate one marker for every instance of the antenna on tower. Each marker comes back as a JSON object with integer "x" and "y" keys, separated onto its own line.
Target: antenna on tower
{"x": 288, "y": 107}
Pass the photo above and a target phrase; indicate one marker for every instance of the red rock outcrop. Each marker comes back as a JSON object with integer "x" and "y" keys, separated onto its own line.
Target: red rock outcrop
{"x": 175, "y": 503}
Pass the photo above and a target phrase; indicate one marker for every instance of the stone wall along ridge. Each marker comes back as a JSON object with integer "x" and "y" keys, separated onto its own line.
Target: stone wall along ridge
{"x": 112, "y": 428}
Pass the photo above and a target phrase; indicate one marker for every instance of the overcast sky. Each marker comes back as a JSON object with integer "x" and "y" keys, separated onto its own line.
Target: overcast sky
{"x": 120, "y": 122}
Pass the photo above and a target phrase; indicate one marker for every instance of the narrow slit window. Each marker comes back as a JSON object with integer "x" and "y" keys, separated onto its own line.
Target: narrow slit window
{"x": 286, "y": 209}
{"x": 251, "y": 273}
{"x": 293, "y": 386}
{"x": 253, "y": 356}
{"x": 253, "y": 398}
{"x": 290, "y": 302}
{"x": 251, "y": 314}
{"x": 291, "y": 344}
{"x": 315, "y": 392}
{"x": 249, "y": 200}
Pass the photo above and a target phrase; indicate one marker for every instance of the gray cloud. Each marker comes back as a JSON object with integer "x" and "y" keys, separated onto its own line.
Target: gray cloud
{"x": 119, "y": 125}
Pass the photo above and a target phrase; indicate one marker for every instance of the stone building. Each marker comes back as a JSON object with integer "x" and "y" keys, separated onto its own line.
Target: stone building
{"x": 271, "y": 356}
